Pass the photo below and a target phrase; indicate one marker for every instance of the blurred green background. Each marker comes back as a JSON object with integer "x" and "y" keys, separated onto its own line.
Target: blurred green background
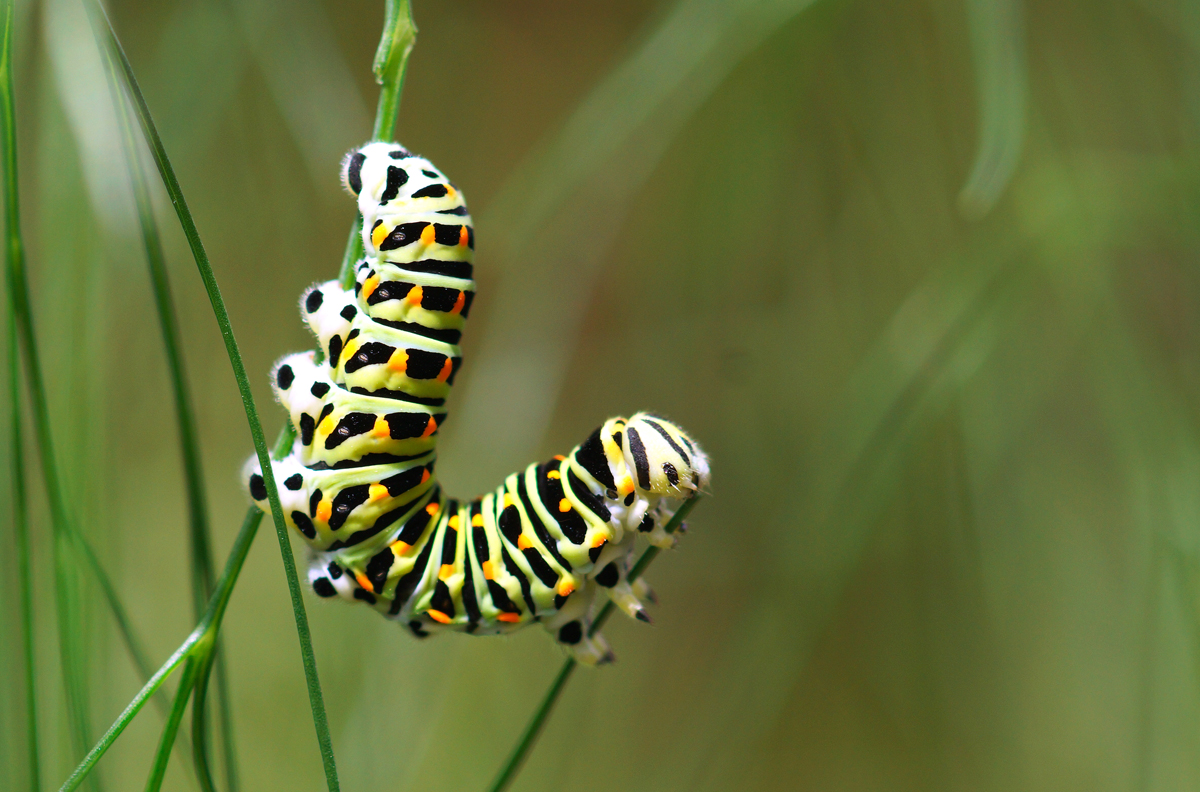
{"x": 921, "y": 275}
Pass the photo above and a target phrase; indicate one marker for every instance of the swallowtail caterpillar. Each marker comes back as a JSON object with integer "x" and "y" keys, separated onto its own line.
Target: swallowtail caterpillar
{"x": 548, "y": 545}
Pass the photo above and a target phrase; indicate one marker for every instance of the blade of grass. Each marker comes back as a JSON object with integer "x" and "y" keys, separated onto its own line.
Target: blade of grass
{"x": 533, "y": 730}
{"x": 24, "y": 578}
{"x": 111, "y": 46}
{"x": 74, "y": 677}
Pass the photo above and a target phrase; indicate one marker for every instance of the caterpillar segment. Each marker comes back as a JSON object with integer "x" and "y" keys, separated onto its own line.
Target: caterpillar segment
{"x": 551, "y": 544}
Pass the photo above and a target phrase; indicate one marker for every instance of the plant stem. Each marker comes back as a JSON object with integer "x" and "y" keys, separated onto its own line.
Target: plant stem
{"x": 534, "y": 728}
{"x": 159, "y": 769}
{"x": 391, "y": 64}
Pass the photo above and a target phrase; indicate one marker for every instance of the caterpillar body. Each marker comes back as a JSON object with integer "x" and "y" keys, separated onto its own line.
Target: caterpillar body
{"x": 547, "y": 545}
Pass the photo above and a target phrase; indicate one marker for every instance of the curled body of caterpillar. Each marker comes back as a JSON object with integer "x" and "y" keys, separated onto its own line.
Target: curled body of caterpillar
{"x": 359, "y": 484}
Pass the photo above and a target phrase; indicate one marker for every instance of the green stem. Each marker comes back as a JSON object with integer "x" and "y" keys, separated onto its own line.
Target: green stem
{"x": 159, "y": 769}
{"x": 24, "y": 578}
{"x": 391, "y": 64}
{"x": 112, "y": 48}
{"x": 534, "y": 728}
{"x": 74, "y": 678}
{"x": 199, "y": 726}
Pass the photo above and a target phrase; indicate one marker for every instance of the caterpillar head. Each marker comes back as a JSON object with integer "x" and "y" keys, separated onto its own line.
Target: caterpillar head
{"x": 382, "y": 173}
{"x": 662, "y": 459}
{"x": 403, "y": 199}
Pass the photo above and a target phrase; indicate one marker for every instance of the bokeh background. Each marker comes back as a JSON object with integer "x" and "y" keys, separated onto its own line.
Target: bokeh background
{"x": 921, "y": 275}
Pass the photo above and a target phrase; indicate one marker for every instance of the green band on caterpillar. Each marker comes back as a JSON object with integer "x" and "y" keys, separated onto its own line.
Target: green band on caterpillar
{"x": 549, "y": 544}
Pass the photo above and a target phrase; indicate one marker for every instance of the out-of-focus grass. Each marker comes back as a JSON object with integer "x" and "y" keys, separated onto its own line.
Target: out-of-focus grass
{"x": 952, "y": 540}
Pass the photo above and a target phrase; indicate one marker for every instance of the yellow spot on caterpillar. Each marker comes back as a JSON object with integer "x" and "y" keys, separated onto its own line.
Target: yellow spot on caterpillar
{"x": 477, "y": 519}
{"x": 559, "y": 457}
{"x": 398, "y": 362}
{"x": 508, "y": 501}
{"x": 430, "y": 427}
{"x": 459, "y": 302}
{"x": 379, "y": 234}
{"x": 447, "y": 369}
{"x": 446, "y": 572}
{"x": 364, "y": 581}
{"x": 324, "y": 510}
{"x": 400, "y": 548}
{"x": 564, "y": 505}
{"x": 438, "y": 616}
{"x": 381, "y": 428}
{"x": 415, "y": 295}
{"x": 326, "y": 426}
{"x": 565, "y": 587}
{"x": 489, "y": 571}
{"x": 523, "y": 542}
{"x": 511, "y": 618}
{"x": 451, "y": 192}
{"x": 464, "y": 236}
{"x": 554, "y": 474}
{"x": 432, "y": 509}
{"x": 371, "y": 283}
{"x": 428, "y": 235}
{"x": 599, "y": 540}
{"x": 377, "y": 492}
{"x": 626, "y": 486}
{"x": 454, "y": 522}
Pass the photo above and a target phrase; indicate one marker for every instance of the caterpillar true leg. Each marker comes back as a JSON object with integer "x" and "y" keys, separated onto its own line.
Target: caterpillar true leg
{"x": 551, "y": 544}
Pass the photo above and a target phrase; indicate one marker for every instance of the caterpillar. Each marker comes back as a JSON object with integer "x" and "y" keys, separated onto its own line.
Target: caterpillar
{"x": 548, "y": 545}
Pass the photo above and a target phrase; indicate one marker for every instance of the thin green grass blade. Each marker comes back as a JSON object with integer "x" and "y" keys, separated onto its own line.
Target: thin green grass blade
{"x": 69, "y": 626}
{"x": 533, "y": 729}
{"x": 24, "y": 577}
{"x": 112, "y": 49}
